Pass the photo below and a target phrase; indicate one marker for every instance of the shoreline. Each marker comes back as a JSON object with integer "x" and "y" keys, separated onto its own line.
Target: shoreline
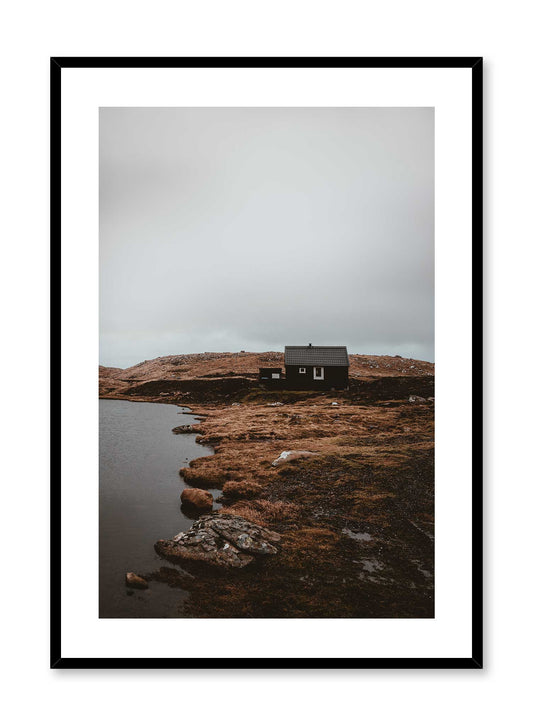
{"x": 355, "y": 543}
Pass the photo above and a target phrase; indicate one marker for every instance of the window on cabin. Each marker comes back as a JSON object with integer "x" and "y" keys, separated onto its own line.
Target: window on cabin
{"x": 301, "y": 370}
{"x": 275, "y": 375}
{"x": 318, "y": 373}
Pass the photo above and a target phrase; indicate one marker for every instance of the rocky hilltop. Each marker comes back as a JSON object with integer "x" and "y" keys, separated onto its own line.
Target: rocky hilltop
{"x": 345, "y": 480}
{"x": 205, "y": 376}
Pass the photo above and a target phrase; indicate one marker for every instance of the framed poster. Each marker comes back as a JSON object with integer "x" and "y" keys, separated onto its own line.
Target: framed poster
{"x": 257, "y": 266}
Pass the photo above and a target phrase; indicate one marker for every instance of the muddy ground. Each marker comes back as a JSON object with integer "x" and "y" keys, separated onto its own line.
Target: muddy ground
{"x": 356, "y": 518}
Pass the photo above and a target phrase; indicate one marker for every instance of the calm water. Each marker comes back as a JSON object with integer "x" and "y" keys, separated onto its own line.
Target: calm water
{"x": 140, "y": 488}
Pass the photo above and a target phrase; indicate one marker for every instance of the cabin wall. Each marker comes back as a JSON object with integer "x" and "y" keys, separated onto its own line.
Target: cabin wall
{"x": 334, "y": 377}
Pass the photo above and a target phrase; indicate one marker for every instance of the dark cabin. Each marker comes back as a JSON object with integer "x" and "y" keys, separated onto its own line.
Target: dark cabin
{"x": 319, "y": 367}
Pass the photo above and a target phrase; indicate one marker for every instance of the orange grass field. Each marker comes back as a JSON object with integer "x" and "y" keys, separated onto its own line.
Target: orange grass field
{"x": 356, "y": 518}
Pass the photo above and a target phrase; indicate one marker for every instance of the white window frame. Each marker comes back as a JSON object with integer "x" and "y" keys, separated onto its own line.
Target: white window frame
{"x": 275, "y": 375}
{"x": 315, "y": 374}
{"x": 302, "y": 370}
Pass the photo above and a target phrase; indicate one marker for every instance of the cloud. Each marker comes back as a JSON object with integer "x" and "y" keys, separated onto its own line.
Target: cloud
{"x": 252, "y": 228}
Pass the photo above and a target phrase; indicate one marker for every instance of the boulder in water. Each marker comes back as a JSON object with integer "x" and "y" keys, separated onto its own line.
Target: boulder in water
{"x": 133, "y": 580}
{"x": 197, "y": 499}
{"x": 184, "y": 429}
{"x": 224, "y": 540}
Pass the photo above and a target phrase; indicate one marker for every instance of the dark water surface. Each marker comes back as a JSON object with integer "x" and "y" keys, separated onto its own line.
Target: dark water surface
{"x": 140, "y": 488}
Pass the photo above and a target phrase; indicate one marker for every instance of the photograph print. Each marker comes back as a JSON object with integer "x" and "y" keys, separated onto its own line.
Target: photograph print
{"x": 266, "y": 380}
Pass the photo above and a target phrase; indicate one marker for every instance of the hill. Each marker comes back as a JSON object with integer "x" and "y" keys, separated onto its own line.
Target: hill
{"x": 210, "y": 376}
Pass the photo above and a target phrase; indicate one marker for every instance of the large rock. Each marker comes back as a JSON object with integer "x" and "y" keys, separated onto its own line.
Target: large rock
{"x": 184, "y": 429}
{"x": 225, "y": 540}
{"x": 290, "y": 455}
{"x": 246, "y": 536}
{"x": 197, "y": 499}
{"x": 133, "y": 580}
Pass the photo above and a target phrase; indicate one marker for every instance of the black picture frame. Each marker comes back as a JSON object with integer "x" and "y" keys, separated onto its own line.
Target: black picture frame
{"x": 57, "y": 64}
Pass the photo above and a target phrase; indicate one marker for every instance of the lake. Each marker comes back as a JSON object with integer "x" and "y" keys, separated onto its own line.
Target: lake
{"x": 139, "y": 503}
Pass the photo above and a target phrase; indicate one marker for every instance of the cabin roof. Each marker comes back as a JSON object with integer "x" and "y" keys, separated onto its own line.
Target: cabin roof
{"x": 316, "y": 355}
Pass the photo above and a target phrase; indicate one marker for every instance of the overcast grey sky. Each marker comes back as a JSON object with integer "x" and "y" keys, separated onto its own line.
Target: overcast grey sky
{"x": 226, "y": 229}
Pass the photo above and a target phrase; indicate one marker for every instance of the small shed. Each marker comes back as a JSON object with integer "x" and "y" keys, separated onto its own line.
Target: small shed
{"x": 316, "y": 366}
{"x": 270, "y": 374}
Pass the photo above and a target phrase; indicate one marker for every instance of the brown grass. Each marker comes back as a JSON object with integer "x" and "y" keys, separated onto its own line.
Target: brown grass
{"x": 264, "y": 512}
{"x": 206, "y": 479}
{"x": 372, "y": 472}
{"x": 242, "y": 489}
{"x": 303, "y": 546}
{"x": 313, "y": 538}
{"x": 350, "y": 438}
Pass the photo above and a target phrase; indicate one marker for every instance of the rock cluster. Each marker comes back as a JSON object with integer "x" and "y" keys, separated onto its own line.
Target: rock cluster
{"x": 225, "y": 540}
